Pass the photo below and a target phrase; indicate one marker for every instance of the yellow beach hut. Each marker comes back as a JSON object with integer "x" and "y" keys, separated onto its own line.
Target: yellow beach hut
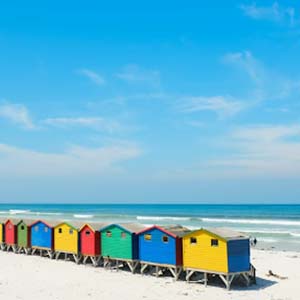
{"x": 66, "y": 240}
{"x": 2, "y": 221}
{"x": 220, "y": 251}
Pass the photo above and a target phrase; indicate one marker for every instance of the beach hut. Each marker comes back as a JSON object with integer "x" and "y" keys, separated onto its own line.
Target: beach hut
{"x": 220, "y": 251}
{"x": 42, "y": 237}
{"x": 161, "y": 247}
{"x": 10, "y": 234}
{"x": 90, "y": 245}
{"x": 66, "y": 240}
{"x": 119, "y": 244}
{"x": 24, "y": 236}
{"x": 2, "y": 244}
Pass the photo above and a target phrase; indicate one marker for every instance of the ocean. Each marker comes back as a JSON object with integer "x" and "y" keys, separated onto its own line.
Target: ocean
{"x": 274, "y": 226}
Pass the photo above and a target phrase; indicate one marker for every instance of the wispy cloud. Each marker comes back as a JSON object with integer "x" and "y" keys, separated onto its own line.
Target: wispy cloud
{"x": 76, "y": 160}
{"x": 96, "y": 123}
{"x": 269, "y": 84}
{"x": 135, "y": 74}
{"x": 248, "y": 63}
{"x": 223, "y": 106}
{"x": 275, "y": 12}
{"x": 17, "y": 114}
{"x": 263, "y": 150}
{"x": 93, "y": 76}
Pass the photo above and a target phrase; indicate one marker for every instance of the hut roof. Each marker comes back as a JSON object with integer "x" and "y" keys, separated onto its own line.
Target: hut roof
{"x": 27, "y": 222}
{"x": 173, "y": 230}
{"x": 50, "y": 223}
{"x": 95, "y": 226}
{"x": 15, "y": 221}
{"x": 176, "y": 230}
{"x": 132, "y": 227}
{"x": 75, "y": 225}
{"x": 129, "y": 227}
{"x": 227, "y": 233}
{"x": 223, "y": 233}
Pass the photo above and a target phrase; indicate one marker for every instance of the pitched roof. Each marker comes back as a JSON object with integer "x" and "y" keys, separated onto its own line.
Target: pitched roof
{"x": 172, "y": 230}
{"x": 177, "y": 230}
{"x": 227, "y": 233}
{"x": 129, "y": 227}
{"x": 132, "y": 227}
{"x": 223, "y": 233}
{"x": 13, "y": 220}
{"x": 27, "y": 222}
{"x": 95, "y": 226}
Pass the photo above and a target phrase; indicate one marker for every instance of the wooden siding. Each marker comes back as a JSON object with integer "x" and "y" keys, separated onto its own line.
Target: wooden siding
{"x": 1, "y": 233}
{"x": 238, "y": 255}
{"x": 67, "y": 240}
{"x": 89, "y": 241}
{"x": 23, "y": 239}
{"x": 155, "y": 250}
{"x": 202, "y": 255}
{"x": 41, "y": 236}
{"x": 117, "y": 246}
{"x": 10, "y": 233}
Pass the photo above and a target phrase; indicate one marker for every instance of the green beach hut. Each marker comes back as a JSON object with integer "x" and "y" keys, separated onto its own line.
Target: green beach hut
{"x": 23, "y": 236}
{"x": 119, "y": 244}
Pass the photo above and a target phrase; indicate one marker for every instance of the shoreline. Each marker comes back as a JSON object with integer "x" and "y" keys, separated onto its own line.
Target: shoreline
{"x": 42, "y": 278}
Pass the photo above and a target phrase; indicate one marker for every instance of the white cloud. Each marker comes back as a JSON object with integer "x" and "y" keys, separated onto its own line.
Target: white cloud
{"x": 134, "y": 74}
{"x": 93, "y": 76}
{"x": 269, "y": 84}
{"x": 96, "y": 123}
{"x": 275, "y": 12}
{"x": 75, "y": 161}
{"x": 223, "y": 106}
{"x": 17, "y": 114}
{"x": 262, "y": 150}
{"x": 248, "y": 63}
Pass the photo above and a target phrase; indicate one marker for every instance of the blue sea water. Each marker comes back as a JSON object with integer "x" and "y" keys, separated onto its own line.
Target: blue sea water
{"x": 274, "y": 226}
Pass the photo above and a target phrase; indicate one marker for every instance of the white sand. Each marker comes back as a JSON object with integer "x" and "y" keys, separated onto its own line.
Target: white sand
{"x": 36, "y": 278}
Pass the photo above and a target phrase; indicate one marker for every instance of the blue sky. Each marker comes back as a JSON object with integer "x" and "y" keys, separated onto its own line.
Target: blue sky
{"x": 127, "y": 101}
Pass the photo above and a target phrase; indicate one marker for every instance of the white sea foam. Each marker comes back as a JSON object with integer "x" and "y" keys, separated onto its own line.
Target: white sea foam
{"x": 18, "y": 211}
{"x": 268, "y": 240}
{"x": 252, "y": 221}
{"x": 79, "y": 216}
{"x": 49, "y": 213}
{"x": 161, "y": 218}
{"x": 263, "y": 231}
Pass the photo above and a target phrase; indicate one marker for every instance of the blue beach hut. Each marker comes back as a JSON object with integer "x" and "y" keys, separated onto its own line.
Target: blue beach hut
{"x": 161, "y": 247}
{"x": 42, "y": 237}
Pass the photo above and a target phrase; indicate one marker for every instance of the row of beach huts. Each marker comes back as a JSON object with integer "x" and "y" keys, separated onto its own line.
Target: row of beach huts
{"x": 174, "y": 250}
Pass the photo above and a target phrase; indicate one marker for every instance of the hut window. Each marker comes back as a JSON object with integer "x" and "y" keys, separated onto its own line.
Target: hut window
{"x": 9, "y": 226}
{"x": 46, "y": 229}
{"x": 165, "y": 239}
{"x": 193, "y": 241}
{"x": 148, "y": 237}
{"x": 36, "y": 228}
{"x": 59, "y": 230}
{"x": 123, "y": 235}
{"x": 108, "y": 233}
{"x": 87, "y": 232}
{"x": 22, "y": 227}
{"x": 214, "y": 242}
{"x": 71, "y": 231}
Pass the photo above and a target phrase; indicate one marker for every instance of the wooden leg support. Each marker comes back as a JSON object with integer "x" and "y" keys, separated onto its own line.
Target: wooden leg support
{"x": 143, "y": 268}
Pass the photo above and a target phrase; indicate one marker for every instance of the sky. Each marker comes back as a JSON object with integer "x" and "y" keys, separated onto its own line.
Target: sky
{"x": 150, "y": 101}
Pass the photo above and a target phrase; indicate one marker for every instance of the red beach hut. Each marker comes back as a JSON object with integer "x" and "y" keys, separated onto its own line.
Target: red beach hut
{"x": 90, "y": 244}
{"x": 10, "y": 229}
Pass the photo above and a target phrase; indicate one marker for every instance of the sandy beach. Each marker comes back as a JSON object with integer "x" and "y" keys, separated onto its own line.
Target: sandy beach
{"x": 35, "y": 278}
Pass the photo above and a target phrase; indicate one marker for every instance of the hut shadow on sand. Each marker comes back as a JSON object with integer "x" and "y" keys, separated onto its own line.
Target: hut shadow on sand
{"x": 237, "y": 284}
